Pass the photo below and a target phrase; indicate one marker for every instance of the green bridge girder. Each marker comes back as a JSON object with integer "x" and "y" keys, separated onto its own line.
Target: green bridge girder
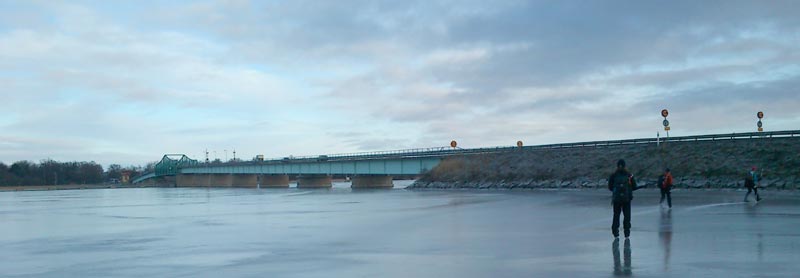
{"x": 171, "y": 164}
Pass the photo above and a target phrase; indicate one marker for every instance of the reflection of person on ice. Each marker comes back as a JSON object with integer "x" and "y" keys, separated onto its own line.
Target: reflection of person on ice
{"x": 619, "y": 268}
{"x": 752, "y": 182}
{"x": 622, "y": 184}
{"x": 665, "y": 184}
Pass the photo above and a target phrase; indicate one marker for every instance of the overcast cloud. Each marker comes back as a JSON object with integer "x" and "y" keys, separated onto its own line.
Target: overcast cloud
{"x": 125, "y": 82}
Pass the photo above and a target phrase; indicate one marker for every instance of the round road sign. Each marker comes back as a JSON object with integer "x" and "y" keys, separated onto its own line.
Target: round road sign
{"x": 760, "y": 115}
{"x": 664, "y": 113}
{"x": 759, "y": 124}
{"x": 453, "y": 143}
{"x": 665, "y": 122}
{"x": 519, "y": 144}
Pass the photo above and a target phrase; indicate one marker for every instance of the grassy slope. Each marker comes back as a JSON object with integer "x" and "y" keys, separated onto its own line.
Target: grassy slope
{"x": 707, "y": 163}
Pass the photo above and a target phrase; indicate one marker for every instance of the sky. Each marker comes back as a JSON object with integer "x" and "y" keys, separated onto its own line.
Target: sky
{"x": 127, "y": 81}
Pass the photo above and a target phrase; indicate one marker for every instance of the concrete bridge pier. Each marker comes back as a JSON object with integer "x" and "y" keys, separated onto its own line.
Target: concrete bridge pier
{"x": 314, "y": 181}
{"x": 166, "y": 181}
{"x": 221, "y": 180}
{"x": 372, "y": 181}
{"x": 183, "y": 180}
{"x": 148, "y": 182}
{"x": 244, "y": 180}
{"x": 274, "y": 181}
{"x": 194, "y": 180}
{"x": 201, "y": 180}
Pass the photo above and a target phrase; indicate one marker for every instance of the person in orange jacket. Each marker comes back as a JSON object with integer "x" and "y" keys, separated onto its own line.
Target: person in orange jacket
{"x": 665, "y": 184}
{"x": 751, "y": 182}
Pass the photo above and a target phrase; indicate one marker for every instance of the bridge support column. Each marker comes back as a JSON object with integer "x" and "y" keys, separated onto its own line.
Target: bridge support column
{"x": 183, "y": 180}
{"x": 221, "y": 180}
{"x": 201, "y": 180}
{"x": 372, "y": 181}
{"x": 244, "y": 180}
{"x": 165, "y": 181}
{"x": 195, "y": 180}
{"x": 148, "y": 182}
{"x": 274, "y": 181}
{"x": 314, "y": 181}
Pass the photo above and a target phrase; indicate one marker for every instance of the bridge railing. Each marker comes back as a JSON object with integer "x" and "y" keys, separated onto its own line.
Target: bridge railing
{"x": 447, "y": 151}
{"x": 610, "y": 143}
{"x": 143, "y": 177}
{"x": 366, "y": 154}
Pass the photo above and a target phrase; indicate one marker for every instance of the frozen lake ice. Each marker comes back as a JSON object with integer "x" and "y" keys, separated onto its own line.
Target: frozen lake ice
{"x": 199, "y": 232}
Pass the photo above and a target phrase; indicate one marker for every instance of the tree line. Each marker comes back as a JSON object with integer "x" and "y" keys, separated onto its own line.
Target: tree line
{"x": 50, "y": 172}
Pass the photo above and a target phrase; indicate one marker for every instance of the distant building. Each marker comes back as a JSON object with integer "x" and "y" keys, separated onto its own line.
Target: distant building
{"x": 125, "y": 177}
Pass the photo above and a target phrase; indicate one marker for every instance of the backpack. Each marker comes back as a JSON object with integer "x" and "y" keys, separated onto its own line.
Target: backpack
{"x": 661, "y": 180}
{"x": 622, "y": 188}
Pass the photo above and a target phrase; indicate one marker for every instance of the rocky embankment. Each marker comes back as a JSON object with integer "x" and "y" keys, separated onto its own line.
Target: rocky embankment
{"x": 702, "y": 164}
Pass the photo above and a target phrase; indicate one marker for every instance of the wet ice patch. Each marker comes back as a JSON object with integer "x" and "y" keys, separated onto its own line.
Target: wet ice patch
{"x": 206, "y": 259}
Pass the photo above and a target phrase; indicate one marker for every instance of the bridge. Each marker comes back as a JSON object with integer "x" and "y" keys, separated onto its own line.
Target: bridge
{"x": 367, "y": 169}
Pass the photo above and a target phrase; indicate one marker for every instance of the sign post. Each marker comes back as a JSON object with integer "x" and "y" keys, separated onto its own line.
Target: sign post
{"x": 665, "y": 122}
{"x": 760, "y": 116}
{"x": 665, "y": 113}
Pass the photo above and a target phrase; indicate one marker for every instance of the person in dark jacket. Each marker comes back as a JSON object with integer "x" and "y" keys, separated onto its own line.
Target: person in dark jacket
{"x": 665, "y": 184}
{"x": 622, "y": 184}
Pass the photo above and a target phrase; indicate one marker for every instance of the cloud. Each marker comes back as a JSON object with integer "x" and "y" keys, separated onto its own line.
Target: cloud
{"x": 583, "y": 72}
{"x": 120, "y": 83}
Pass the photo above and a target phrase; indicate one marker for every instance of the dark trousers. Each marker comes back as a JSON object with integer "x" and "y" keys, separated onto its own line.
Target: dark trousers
{"x": 665, "y": 193}
{"x": 625, "y": 208}
{"x": 752, "y": 189}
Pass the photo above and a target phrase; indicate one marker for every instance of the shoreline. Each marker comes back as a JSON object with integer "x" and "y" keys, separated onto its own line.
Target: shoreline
{"x": 67, "y": 187}
{"x": 691, "y": 183}
{"x": 588, "y": 189}
{"x": 694, "y": 165}
{"x": 789, "y": 191}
